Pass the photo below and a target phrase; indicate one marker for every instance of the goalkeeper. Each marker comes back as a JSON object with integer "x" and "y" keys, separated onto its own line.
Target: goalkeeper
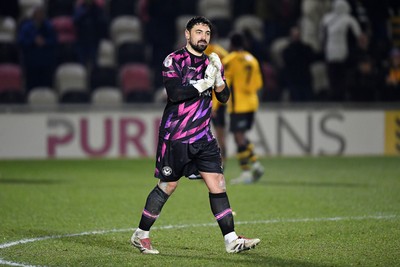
{"x": 186, "y": 146}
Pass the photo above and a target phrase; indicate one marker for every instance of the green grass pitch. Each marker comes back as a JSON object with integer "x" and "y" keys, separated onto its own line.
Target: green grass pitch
{"x": 307, "y": 211}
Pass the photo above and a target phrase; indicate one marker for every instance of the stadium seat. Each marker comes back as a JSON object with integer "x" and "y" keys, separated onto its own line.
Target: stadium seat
{"x": 71, "y": 83}
{"x": 252, "y": 23}
{"x": 106, "y": 54}
{"x": 65, "y": 28}
{"x": 42, "y": 96}
{"x": 131, "y": 53}
{"x": 9, "y": 53}
{"x": 107, "y": 96}
{"x": 57, "y": 8}
{"x": 121, "y": 8}
{"x": 215, "y": 8}
{"x": 11, "y": 90}
{"x": 8, "y": 28}
{"x": 27, "y": 6}
{"x": 10, "y": 77}
{"x": 135, "y": 82}
{"x": 103, "y": 76}
{"x": 126, "y": 29}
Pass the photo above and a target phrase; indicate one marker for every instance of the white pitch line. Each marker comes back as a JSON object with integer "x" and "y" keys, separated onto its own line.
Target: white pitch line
{"x": 180, "y": 226}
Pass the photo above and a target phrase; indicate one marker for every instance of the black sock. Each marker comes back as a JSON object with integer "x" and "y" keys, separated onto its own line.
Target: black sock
{"x": 154, "y": 203}
{"x": 222, "y": 211}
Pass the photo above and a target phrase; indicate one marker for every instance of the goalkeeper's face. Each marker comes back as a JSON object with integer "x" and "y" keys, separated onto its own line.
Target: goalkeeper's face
{"x": 199, "y": 37}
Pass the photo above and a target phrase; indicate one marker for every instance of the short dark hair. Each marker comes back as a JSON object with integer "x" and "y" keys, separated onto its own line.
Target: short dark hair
{"x": 198, "y": 20}
{"x": 237, "y": 40}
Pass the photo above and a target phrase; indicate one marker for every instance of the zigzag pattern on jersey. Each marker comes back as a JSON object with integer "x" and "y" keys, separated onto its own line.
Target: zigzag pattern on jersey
{"x": 191, "y": 113}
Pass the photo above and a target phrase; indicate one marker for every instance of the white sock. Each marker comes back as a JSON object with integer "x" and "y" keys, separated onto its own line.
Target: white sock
{"x": 142, "y": 234}
{"x": 230, "y": 237}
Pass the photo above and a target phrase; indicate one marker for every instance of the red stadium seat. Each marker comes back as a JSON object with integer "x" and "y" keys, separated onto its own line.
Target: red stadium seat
{"x": 10, "y": 77}
{"x": 64, "y": 26}
{"x": 11, "y": 90}
{"x": 135, "y": 82}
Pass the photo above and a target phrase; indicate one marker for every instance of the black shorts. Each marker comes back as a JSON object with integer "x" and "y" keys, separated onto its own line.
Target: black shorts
{"x": 241, "y": 122}
{"x": 219, "y": 119}
{"x": 176, "y": 159}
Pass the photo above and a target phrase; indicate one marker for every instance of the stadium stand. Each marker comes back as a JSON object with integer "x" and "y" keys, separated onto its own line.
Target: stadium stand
{"x": 126, "y": 29}
{"x": 135, "y": 82}
{"x": 57, "y": 8}
{"x": 215, "y": 8}
{"x": 107, "y": 96}
{"x": 9, "y": 53}
{"x": 106, "y": 54}
{"x": 121, "y": 8}
{"x": 11, "y": 84}
{"x": 252, "y": 23}
{"x": 103, "y": 76}
{"x": 65, "y": 29}
{"x": 130, "y": 52}
{"x": 26, "y": 7}
{"x": 180, "y": 25}
{"x": 223, "y": 26}
{"x": 42, "y": 96}
{"x": 8, "y": 27}
{"x": 132, "y": 37}
{"x": 71, "y": 83}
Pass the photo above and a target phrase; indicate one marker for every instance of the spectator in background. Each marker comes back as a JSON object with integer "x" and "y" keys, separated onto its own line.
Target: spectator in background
{"x": 392, "y": 77}
{"x": 337, "y": 44}
{"x": 91, "y": 26}
{"x": 365, "y": 81}
{"x": 38, "y": 40}
{"x": 298, "y": 58}
{"x": 244, "y": 77}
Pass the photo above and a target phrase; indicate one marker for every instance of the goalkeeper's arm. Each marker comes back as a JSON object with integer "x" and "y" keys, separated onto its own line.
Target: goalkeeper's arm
{"x": 222, "y": 92}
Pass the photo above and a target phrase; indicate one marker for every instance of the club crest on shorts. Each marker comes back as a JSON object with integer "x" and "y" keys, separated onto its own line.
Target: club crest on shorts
{"x": 166, "y": 171}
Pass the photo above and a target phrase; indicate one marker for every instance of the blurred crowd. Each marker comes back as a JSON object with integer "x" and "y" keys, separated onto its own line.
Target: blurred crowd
{"x": 80, "y": 51}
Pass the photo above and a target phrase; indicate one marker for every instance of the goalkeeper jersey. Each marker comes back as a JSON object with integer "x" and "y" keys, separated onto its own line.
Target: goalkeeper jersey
{"x": 244, "y": 78}
{"x": 187, "y": 114}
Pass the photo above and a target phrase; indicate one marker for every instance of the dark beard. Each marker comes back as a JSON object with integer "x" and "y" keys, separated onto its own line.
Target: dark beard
{"x": 198, "y": 48}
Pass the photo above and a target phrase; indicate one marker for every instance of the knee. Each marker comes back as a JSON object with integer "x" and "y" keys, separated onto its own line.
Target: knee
{"x": 221, "y": 183}
{"x": 168, "y": 187}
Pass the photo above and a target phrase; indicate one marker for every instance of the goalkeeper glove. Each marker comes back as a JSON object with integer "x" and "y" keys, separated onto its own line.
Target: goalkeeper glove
{"x": 218, "y": 79}
{"x": 209, "y": 79}
{"x": 214, "y": 59}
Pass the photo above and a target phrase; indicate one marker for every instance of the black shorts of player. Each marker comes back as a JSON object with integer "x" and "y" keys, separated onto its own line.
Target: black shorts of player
{"x": 241, "y": 122}
{"x": 219, "y": 119}
{"x": 182, "y": 159}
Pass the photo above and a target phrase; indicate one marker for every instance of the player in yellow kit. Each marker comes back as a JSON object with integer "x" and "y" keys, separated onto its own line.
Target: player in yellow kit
{"x": 244, "y": 78}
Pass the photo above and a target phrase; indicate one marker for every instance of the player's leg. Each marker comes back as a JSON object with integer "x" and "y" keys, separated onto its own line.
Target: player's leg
{"x": 252, "y": 170}
{"x": 152, "y": 209}
{"x": 209, "y": 165}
